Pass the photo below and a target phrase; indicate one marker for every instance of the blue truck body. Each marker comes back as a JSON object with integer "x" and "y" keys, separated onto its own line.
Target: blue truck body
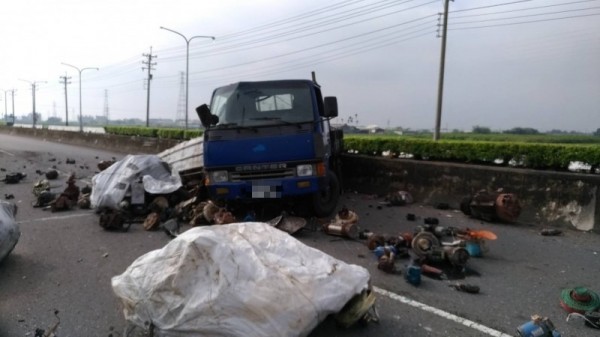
{"x": 272, "y": 140}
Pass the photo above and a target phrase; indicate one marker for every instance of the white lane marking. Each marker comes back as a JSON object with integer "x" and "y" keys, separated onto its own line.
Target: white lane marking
{"x": 8, "y": 153}
{"x": 56, "y": 218}
{"x": 441, "y": 313}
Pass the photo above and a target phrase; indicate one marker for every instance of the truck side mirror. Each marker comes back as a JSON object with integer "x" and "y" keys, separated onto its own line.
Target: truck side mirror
{"x": 330, "y": 107}
{"x": 206, "y": 118}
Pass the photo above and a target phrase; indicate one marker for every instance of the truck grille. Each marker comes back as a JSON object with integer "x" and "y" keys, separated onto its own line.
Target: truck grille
{"x": 270, "y": 174}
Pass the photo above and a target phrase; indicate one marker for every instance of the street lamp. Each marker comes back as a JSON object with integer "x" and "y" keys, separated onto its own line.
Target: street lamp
{"x": 187, "y": 66}
{"x": 33, "y": 84}
{"x": 80, "y": 71}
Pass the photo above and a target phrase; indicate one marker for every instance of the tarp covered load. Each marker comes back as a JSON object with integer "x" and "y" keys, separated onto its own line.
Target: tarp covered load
{"x": 9, "y": 229}
{"x": 110, "y": 186}
{"x": 242, "y": 279}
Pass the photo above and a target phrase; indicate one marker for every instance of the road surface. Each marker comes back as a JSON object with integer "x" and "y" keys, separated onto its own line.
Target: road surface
{"x": 64, "y": 261}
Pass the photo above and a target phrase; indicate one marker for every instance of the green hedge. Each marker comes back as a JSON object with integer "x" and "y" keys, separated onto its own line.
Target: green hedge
{"x": 170, "y": 133}
{"x": 529, "y": 155}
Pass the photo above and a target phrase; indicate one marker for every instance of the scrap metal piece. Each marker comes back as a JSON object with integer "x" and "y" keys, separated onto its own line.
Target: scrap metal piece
{"x": 291, "y": 224}
{"x": 152, "y": 221}
{"x": 508, "y": 207}
{"x": 358, "y": 309}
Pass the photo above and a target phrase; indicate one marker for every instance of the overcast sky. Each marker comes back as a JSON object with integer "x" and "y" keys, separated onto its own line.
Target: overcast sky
{"x": 509, "y": 63}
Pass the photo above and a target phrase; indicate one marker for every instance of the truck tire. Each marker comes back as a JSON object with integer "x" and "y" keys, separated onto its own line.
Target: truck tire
{"x": 325, "y": 201}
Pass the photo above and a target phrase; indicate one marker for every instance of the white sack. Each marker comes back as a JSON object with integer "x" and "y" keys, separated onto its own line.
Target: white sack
{"x": 243, "y": 279}
{"x": 9, "y": 229}
{"x": 110, "y": 186}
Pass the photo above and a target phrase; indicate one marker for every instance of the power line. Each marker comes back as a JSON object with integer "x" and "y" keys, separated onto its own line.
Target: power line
{"x": 522, "y": 9}
{"x": 525, "y": 22}
{"x": 525, "y": 16}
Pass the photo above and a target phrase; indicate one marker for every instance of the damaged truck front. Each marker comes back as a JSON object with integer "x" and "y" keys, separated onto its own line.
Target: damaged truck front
{"x": 272, "y": 140}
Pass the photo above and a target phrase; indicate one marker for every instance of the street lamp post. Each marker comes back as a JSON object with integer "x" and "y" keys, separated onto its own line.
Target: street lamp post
{"x": 80, "y": 70}
{"x": 33, "y": 85}
{"x": 187, "y": 66}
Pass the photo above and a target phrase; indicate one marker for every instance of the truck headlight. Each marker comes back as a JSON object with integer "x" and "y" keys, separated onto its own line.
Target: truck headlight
{"x": 304, "y": 170}
{"x": 219, "y": 176}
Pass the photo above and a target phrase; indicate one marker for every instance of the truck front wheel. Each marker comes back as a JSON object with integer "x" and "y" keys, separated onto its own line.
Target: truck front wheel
{"x": 325, "y": 201}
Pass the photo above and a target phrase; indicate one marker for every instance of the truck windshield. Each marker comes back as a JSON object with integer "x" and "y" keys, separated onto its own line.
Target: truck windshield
{"x": 257, "y": 104}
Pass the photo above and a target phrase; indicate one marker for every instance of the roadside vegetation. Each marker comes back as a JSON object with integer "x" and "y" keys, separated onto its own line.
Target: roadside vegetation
{"x": 518, "y": 147}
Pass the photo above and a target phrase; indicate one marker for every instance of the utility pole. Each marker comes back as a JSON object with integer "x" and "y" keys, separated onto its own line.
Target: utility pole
{"x": 106, "y": 112}
{"x": 65, "y": 81}
{"x": 438, "y": 116}
{"x": 33, "y": 86}
{"x": 149, "y": 65}
{"x": 13, "y": 104}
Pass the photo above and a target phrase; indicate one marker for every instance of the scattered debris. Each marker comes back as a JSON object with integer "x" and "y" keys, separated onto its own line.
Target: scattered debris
{"x": 442, "y": 206}
{"x": 579, "y": 300}
{"x": 538, "y": 327}
{"x": 113, "y": 220}
{"x": 399, "y": 198}
{"x": 51, "y": 174}
{"x": 492, "y": 207}
{"x": 289, "y": 224}
{"x": 411, "y": 217}
{"x": 550, "y": 232}
{"x": 468, "y": 288}
{"x": 9, "y": 196}
{"x": 412, "y": 274}
{"x": 68, "y": 198}
{"x": 591, "y": 318}
{"x": 14, "y": 178}
{"x": 344, "y": 224}
{"x": 103, "y": 165}
{"x": 70, "y": 161}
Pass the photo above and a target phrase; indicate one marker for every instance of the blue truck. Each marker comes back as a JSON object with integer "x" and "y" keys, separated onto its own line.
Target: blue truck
{"x": 272, "y": 140}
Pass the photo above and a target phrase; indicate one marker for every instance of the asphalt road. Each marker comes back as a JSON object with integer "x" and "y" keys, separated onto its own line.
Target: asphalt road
{"x": 64, "y": 261}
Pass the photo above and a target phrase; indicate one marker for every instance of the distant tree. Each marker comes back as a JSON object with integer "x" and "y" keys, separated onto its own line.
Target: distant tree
{"x": 597, "y": 133}
{"x": 556, "y": 132}
{"x": 54, "y": 120}
{"x": 522, "y": 131}
{"x": 481, "y": 129}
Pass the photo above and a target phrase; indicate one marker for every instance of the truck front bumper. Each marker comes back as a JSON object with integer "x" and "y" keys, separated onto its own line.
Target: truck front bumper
{"x": 265, "y": 189}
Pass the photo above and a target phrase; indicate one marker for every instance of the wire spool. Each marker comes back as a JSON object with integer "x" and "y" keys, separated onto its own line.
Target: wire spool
{"x": 579, "y": 300}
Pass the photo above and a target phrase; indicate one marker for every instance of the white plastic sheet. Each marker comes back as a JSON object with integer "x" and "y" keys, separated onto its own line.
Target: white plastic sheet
{"x": 9, "y": 229}
{"x": 243, "y": 279}
{"x": 110, "y": 186}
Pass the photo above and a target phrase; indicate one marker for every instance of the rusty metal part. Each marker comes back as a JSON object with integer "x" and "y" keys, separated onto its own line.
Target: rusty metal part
{"x": 152, "y": 221}
{"x": 508, "y": 207}
{"x": 103, "y": 165}
{"x": 457, "y": 256}
{"x": 84, "y": 201}
{"x": 291, "y": 224}
{"x": 347, "y": 229}
{"x": 387, "y": 262}
{"x": 375, "y": 241}
{"x": 223, "y": 217}
{"x": 424, "y": 243}
{"x": 361, "y": 308}
{"x": 209, "y": 210}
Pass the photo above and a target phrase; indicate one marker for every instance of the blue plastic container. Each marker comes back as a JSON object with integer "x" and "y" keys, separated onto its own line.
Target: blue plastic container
{"x": 413, "y": 275}
{"x": 473, "y": 248}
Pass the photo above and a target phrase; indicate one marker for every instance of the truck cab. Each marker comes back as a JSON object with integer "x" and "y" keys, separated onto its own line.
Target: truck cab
{"x": 272, "y": 140}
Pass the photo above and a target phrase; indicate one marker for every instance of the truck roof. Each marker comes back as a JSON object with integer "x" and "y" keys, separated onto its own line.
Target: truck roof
{"x": 274, "y": 82}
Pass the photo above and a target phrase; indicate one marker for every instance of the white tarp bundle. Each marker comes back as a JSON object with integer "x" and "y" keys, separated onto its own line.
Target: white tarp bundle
{"x": 110, "y": 186}
{"x": 9, "y": 229}
{"x": 243, "y": 279}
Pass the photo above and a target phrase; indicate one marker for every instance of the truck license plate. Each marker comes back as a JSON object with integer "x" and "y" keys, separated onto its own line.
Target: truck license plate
{"x": 266, "y": 191}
